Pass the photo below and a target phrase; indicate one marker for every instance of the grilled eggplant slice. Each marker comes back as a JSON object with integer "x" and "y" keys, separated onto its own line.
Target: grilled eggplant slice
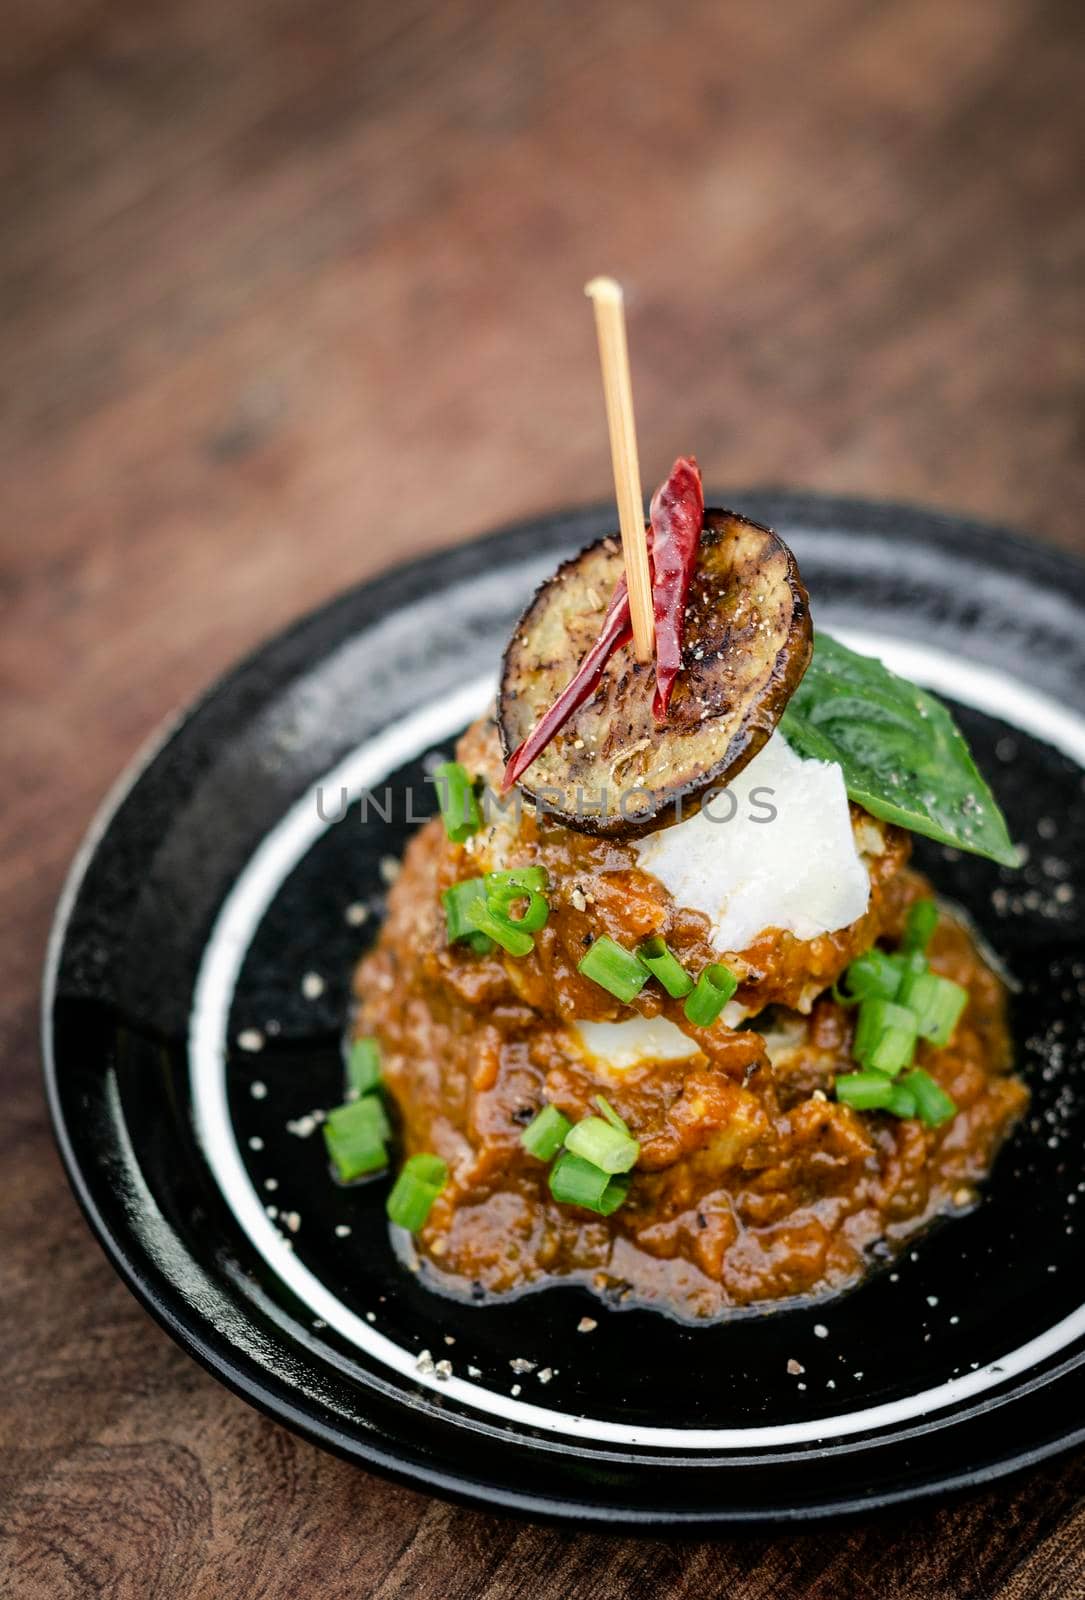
{"x": 612, "y": 770}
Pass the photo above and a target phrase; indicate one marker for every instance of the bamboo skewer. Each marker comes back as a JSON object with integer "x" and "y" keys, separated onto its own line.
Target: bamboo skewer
{"x": 606, "y": 296}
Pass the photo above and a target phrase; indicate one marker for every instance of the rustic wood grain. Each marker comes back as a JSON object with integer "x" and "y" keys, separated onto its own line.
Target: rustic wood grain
{"x": 288, "y": 291}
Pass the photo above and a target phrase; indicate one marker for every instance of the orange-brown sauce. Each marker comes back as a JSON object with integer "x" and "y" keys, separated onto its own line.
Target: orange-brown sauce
{"x": 752, "y": 1185}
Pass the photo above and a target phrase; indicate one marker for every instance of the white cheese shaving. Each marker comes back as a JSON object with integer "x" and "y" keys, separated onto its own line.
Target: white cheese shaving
{"x": 786, "y": 858}
{"x": 617, "y": 1046}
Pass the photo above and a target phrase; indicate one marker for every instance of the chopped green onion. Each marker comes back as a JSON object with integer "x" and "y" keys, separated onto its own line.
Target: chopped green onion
{"x": 456, "y": 798}
{"x": 902, "y": 1101}
{"x": 419, "y": 1183}
{"x": 457, "y": 901}
{"x": 545, "y": 1134}
{"x": 865, "y": 1091}
{"x": 921, "y": 923}
{"x": 711, "y": 993}
{"x": 368, "y": 1112}
{"x": 873, "y": 1091}
{"x": 364, "y": 1065}
{"x": 937, "y": 1004}
{"x": 536, "y": 878}
{"x": 932, "y": 1102}
{"x": 874, "y": 975}
{"x": 427, "y": 1168}
{"x": 894, "y": 1051}
{"x": 576, "y": 1182}
{"x": 502, "y": 898}
{"x": 884, "y": 1036}
{"x": 614, "y": 969}
{"x": 501, "y": 929}
{"x": 663, "y": 964}
{"x": 355, "y": 1136}
{"x": 611, "y": 1115}
{"x": 604, "y": 1145}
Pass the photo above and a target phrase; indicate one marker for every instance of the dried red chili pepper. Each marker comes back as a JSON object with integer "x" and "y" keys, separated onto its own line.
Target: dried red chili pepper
{"x": 616, "y": 630}
{"x": 677, "y": 517}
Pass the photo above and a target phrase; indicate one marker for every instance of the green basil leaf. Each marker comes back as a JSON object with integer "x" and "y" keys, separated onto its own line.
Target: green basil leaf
{"x": 903, "y": 756}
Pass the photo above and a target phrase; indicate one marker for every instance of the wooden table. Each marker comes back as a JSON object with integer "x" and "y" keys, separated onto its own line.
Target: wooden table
{"x": 289, "y": 291}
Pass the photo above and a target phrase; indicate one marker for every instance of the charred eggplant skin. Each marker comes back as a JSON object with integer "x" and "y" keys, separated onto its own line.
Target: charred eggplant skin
{"x": 613, "y": 771}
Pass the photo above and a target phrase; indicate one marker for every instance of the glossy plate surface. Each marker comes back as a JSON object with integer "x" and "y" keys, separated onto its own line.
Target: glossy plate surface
{"x": 199, "y": 985}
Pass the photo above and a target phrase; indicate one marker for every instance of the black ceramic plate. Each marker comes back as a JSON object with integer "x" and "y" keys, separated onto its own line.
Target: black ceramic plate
{"x": 198, "y": 987}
